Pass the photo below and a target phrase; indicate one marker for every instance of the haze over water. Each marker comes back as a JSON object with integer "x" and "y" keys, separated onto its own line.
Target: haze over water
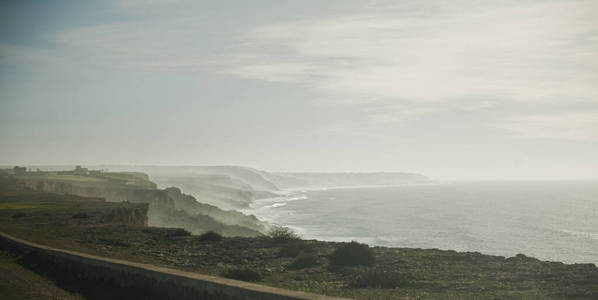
{"x": 549, "y": 220}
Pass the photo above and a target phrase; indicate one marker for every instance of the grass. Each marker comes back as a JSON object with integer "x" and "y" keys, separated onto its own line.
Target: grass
{"x": 33, "y": 205}
{"x": 108, "y": 178}
{"x": 304, "y": 260}
{"x": 61, "y": 177}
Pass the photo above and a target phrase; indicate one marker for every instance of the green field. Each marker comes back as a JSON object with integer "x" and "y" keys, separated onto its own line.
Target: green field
{"x": 107, "y": 178}
{"x": 33, "y": 205}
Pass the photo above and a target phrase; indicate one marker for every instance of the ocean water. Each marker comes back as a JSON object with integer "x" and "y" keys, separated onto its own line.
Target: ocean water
{"x": 555, "y": 221}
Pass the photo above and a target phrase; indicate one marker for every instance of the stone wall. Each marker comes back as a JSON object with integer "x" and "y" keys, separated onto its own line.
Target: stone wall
{"x": 152, "y": 282}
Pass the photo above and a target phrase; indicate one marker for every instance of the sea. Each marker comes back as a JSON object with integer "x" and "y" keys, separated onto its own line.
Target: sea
{"x": 548, "y": 220}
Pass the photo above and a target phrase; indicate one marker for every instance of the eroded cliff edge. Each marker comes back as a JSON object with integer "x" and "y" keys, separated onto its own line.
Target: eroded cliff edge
{"x": 167, "y": 207}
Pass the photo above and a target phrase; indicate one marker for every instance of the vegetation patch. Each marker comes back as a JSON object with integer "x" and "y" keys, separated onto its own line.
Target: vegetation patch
{"x": 378, "y": 279}
{"x": 294, "y": 249}
{"x": 18, "y": 215}
{"x": 304, "y": 260}
{"x": 32, "y": 205}
{"x": 352, "y": 254}
{"x": 210, "y": 236}
{"x": 80, "y": 215}
{"x": 281, "y": 235}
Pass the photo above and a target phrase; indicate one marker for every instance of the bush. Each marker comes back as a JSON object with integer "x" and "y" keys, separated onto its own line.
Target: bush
{"x": 80, "y": 215}
{"x": 304, "y": 260}
{"x": 294, "y": 249}
{"x": 18, "y": 215}
{"x": 377, "y": 279}
{"x": 244, "y": 274}
{"x": 176, "y": 232}
{"x": 210, "y": 236}
{"x": 352, "y": 254}
{"x": 281, "y": 234}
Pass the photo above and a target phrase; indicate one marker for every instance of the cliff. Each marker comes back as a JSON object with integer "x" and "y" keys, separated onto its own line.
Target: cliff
{"x": 236, "y": 187}
{"x": 227, "y": 187}
{"x": 167, "y": 208}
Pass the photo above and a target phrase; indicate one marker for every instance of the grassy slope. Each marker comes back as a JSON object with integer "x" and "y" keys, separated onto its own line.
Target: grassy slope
{"x": 122, "y": 179}
{"x": 423, "y": 273}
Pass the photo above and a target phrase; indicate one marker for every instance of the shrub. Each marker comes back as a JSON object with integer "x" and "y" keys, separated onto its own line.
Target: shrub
{"x": 177, "y": 232}
{"x": 80, "y": 215}
{"x": 377, "y": 279}
{"x": 304, "y": 260}
{"x": 170, "y": 232}
{"x": 294, "y": 249}
{"x": 210, "y": 236}
{"x": 18, "y": 215}
{"x": 281, "y": 234}
{"x": 244, "y": 274}
{"x": 352, "y": 254}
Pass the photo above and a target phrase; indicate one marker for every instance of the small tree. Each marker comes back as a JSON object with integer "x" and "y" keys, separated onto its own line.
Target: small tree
{"x": 281, "y": 234}
{"x": 352, "y": 254}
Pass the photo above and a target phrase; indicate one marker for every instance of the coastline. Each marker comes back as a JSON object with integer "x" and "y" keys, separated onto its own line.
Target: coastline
{"x": 291, "y": 210}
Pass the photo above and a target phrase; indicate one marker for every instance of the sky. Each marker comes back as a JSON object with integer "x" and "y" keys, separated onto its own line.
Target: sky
{"x": 458, "y": 89}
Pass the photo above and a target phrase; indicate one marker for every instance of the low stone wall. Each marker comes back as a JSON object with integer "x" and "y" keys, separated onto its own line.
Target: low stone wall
{"x": 152, "y": 281}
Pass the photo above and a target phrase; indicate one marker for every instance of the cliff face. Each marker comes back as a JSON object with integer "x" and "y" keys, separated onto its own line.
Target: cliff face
{"x": 227, "y": 187}
{"x": 166, "y": 208}
{"x": 111, "y": 193}
{"x": 188, "y": 204}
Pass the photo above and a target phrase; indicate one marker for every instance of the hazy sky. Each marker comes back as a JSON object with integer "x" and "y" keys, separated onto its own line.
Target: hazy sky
{"x": 450, "y": 89}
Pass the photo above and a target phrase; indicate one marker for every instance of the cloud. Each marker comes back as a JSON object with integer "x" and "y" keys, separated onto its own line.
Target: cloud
{"x": 143, "y": 7}
{"x": 575, "y": 126}
{"x": 391, "y": 62}
{"x": 543, "y": 51}
{"x": 148, "y": 45}
{"x": 11, "y": 54}
{"x": 414, "y": 57}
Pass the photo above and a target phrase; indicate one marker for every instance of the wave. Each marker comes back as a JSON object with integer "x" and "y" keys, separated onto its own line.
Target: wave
{"x": 275, "y": 205}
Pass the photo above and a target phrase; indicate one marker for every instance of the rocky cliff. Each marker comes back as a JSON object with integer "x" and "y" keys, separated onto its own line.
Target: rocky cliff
{"x": 167, "y": 208}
